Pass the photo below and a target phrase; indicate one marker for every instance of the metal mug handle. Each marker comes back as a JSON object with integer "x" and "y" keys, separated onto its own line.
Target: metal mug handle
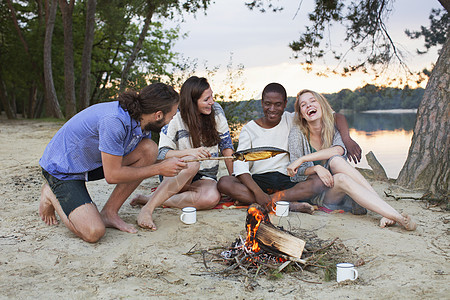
{"x": 355, "y": 274}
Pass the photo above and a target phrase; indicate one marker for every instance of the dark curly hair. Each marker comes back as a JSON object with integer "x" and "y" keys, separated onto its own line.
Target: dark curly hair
{"x": 275, "y": 88}
{"x": 154, "y": 97}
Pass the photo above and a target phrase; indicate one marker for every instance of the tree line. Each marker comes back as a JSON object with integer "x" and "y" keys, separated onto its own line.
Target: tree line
{"x": 59, "y": 56}
{"x": 369, "y": 97}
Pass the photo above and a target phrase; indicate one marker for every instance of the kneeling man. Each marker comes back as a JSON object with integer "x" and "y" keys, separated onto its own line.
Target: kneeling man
{"x": 109, "y": 140}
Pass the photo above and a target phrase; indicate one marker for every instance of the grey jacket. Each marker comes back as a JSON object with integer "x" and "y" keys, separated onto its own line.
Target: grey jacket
{"x": 299, "y": 146}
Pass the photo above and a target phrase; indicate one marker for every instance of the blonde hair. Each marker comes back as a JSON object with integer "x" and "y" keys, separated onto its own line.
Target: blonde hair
{"x": 327, "y": 120}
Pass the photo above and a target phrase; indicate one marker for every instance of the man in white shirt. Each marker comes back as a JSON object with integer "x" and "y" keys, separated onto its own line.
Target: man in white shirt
{"x": 266, "y": 181}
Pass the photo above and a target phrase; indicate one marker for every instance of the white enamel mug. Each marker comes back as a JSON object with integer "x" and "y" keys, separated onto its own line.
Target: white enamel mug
{"x": 189, "y": 215}
{"x": 282, "y": 208}
{"x": 346, "y": 271}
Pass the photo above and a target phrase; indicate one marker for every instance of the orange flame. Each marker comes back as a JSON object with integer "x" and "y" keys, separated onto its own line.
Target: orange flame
{"x": 275, "y": 198}
{"x": 251, "y": 242}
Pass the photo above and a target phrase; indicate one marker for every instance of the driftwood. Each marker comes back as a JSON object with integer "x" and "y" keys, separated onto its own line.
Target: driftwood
{"x": 378, "y": 170}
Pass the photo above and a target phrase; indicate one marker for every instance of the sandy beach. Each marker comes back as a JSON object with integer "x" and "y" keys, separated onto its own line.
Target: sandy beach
{"x": 39, "y": 261}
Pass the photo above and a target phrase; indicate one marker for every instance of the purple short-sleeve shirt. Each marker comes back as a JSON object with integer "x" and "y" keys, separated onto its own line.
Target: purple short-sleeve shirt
{"x": 76, "y": 147}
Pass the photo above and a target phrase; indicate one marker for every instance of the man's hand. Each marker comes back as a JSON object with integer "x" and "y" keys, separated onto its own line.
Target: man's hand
{"x": 264, "y": 200}
{"x": 171, "y": 167}
{"x": 353, "y": 150}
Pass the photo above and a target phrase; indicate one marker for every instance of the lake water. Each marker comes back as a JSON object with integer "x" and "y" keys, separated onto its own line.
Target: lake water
{"x": 387, "y": 134}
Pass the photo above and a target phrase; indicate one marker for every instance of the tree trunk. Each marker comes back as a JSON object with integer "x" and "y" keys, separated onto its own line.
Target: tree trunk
{"x": 427, "y": 166}
{"x": 137, "y": 46}
{"x": 445, "y": 4}
{"x": 32, "y": 101}
{"x": 34, "y": 66}
{"x": 69, "y": 76}
{"x": 4, "y": 100}
{"x": 85, "y": 82}
{"x": 51, "y": 100}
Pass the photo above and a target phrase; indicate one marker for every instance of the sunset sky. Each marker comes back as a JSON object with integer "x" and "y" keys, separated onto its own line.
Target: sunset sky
{"x": 260, "y": 42}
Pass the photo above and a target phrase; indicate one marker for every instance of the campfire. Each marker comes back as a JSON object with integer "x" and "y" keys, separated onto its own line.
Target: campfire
{"x": 273, "y": 240}
{"x": 270, "y": 250}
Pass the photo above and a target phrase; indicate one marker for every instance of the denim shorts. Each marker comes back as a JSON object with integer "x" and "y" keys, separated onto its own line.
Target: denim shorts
{"x": 272, "y": 182}
{"x": 71, "y": 194}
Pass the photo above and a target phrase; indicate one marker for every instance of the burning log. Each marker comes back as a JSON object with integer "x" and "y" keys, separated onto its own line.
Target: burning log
{"x": 261, "y": 232}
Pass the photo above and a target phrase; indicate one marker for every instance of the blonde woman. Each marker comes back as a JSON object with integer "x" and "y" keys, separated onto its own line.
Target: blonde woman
{"x": 316, "y": 147}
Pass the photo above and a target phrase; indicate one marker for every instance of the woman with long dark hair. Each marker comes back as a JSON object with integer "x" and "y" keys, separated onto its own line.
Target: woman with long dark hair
{"x": 198, "y": 130}
{"x": 316, "y": 147}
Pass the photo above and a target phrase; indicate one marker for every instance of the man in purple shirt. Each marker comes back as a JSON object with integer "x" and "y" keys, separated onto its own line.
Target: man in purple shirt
{"x": 108, "y": 140}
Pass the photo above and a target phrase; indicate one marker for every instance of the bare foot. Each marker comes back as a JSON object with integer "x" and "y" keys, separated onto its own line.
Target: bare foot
{"x": 114, "y": 221}
{"x": 145, "y": 219}
{"x": 301, "y": 207}
{"x": 139, "y": 200}
{"x": 46, "y": 208}
{"x": 408, "y": 223}
{"x": 386, "y": 222}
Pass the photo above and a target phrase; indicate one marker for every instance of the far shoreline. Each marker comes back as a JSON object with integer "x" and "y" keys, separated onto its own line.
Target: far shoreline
{"x": 391, "y": 111}
{"x": 381, "y": 111}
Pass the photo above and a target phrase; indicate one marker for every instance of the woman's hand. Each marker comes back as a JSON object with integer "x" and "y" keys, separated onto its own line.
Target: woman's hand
{"x": 199, "y": 152}
{"x": 292, "y": 168}
{"x": 324, "y": 175}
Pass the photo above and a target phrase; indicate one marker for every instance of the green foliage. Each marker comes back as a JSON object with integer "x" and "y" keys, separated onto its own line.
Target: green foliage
{"x": 436, "y": 33}
{"x": 275, "y": 275}
{"x": 365, "y": 34}
{"x": 117, "y": 29}
{"x": 371, "y": 97}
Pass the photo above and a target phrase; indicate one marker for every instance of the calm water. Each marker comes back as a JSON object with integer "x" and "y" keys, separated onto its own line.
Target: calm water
{"x": 388, "y": 135}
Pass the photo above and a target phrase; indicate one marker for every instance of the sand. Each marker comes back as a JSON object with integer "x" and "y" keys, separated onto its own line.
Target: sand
{"x": 40, "y": 261}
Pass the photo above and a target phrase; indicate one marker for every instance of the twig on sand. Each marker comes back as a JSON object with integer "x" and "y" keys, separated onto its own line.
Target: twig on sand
{"x": 324, "y": 247}
{"x": 204, "y": 259}
{"x": 425, "y": 197}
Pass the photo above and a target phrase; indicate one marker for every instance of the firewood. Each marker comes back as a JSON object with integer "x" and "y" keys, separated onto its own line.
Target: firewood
{"x": 272, "y": 238}
{"x": 282, "y": 241}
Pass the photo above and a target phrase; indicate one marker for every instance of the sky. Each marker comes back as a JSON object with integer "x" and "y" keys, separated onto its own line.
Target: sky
{"x": 259, "y": 41}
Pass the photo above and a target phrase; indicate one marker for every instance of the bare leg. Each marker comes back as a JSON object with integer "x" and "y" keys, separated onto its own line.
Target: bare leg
{"x": 202, "y": 194}
{"x": 140, "y": 200}
{"x": 343, "y": 184}
{"x": 168, "y": 187}
{"x": 340, "y": 165}
{"x": 302, "y": 191}
{"x": 84, "y": 221}
{"x": 46, "y": 208}
{"x": 234, "y": 188}
{"x": 301, "y": 207}
{"x": 144, "y": 154}
{"x": 231, "y": 186}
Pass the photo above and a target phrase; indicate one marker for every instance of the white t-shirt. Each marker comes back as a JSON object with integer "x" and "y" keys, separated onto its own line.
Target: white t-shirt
{"x": 252, "y": 135}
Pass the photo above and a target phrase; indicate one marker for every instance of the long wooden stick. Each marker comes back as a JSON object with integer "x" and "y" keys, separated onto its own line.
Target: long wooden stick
{"x": 210, "y": 158}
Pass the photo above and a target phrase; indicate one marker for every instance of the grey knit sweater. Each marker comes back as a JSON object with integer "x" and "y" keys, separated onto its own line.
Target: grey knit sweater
{"x": 299, "y": 146}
